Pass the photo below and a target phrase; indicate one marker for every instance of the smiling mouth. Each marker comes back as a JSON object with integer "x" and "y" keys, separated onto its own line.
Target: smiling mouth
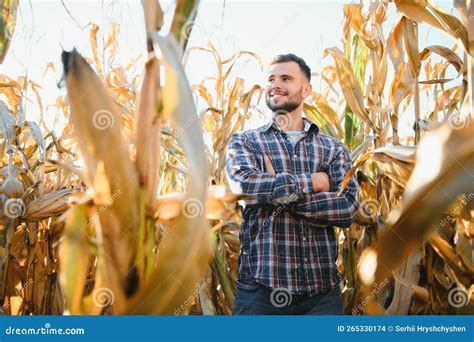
{"x": 277, "y": 94}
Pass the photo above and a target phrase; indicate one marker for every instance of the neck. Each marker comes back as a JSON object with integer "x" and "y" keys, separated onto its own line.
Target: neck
{"x": 293, "y": 122}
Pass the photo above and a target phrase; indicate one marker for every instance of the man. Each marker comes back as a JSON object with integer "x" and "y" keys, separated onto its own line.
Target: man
{"x": 287, "y": 262}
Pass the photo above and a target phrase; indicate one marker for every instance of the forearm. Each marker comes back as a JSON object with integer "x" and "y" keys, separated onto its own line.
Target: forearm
{"x": 270, "y": 188}
{"x": 327, "y": 208}
{"x": 245, "y": 174}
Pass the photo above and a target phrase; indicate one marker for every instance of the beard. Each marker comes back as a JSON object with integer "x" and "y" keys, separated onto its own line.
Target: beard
{"x": 290, "y": 105}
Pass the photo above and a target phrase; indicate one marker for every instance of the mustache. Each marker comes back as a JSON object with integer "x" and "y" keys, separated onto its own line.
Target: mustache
{"x": 279, "y": 92}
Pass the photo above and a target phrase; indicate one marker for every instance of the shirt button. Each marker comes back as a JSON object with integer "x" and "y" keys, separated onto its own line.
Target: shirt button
{"x": 304, "y": 238}
{"x": 295, "y": 156}
{"x": 305, "y": 259}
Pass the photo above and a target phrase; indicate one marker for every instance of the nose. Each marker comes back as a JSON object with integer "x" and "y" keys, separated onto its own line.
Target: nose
{"x": 274, "y": 86}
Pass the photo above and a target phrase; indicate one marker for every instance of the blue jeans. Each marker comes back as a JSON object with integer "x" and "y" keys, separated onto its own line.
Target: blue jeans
{"x": 255, "y": 299}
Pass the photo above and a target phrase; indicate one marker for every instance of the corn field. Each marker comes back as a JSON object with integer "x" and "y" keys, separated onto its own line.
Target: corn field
{"x": 128, "y": 210}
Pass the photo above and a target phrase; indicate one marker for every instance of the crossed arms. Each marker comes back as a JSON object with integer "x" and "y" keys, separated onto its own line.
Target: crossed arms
{"x": 306, "y": 194}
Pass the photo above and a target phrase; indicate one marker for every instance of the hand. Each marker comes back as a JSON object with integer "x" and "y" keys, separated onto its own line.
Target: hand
{"x": 320, "y": 179}
{"x": 320, "y": 182}
{"x": 268, "y": 165}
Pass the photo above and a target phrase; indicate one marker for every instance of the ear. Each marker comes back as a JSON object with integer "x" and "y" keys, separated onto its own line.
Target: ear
{"x": 307, "y": 90}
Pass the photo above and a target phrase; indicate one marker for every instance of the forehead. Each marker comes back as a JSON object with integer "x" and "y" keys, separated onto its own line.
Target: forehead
{"x": 285, "y": 68}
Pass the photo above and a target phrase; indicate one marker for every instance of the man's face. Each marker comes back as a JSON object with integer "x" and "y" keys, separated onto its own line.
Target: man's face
{"x": 287, "y": 87}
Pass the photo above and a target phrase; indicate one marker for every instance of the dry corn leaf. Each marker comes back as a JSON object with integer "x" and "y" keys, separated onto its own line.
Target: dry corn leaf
{"x": 171, "y": 205}
{"x": 402, "y": 86}
{"x": 98, "y": 128}
{"x": 8, "y": 12}
{"x": 397, "y": 162}
{"x": 461, "y": 267}
{"x": 329, "y": 114}
{"x": 7, "y": 123}
{"x": 75, "y": 254}
{"x": 423, "y": 11}
{"x": 184, "y": 15}
{"x": 48, "y": 205}
{"x": 148, "y": 133}
{"x": 184, "y": 252}
{"x": 410, "y": 39}
{"x": 394, "y": 44}
{"x": 153, "y": 17}
{"x": 443, "y": 158}
{"x": 349, "y": 84}
{"x": 450, "y": 56}
{"x": 354, "y": 17}
{"x": 94, "y": 47}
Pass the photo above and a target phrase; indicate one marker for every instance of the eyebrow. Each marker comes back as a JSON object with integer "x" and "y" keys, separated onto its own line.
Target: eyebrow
{"x": 287, "y": 76}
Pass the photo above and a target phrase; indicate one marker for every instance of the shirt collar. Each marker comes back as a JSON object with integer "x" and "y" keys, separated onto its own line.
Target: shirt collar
{"x": 309, "y": 126}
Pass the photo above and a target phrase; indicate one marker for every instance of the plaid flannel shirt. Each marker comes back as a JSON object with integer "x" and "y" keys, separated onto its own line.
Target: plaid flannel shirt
{"x": 287, "y": 235}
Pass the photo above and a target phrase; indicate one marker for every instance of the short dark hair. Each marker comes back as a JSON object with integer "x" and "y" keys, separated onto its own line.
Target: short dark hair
{"x": 290, "y": 57}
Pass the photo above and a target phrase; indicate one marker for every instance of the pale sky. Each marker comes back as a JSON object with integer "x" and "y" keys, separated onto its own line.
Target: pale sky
{"x": 267, "y": 28}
